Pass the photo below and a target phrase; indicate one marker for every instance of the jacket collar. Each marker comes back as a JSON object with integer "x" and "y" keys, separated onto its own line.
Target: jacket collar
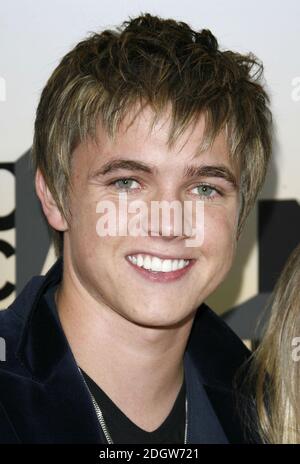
{"x": 211, "y": 359}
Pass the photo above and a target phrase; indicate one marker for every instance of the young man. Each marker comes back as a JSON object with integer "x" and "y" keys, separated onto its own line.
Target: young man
{"x": 115, "y": 343}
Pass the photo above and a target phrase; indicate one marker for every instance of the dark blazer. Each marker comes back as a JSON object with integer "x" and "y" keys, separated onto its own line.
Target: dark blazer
{"x": 43, "y": 398}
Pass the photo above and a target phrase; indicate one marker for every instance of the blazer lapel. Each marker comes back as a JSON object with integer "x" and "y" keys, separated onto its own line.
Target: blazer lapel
{"x": 203, "y": 424}
{"x": 57, "y": 400}
{"x": 224, "y": 403}
{"x": 216, "y": 354}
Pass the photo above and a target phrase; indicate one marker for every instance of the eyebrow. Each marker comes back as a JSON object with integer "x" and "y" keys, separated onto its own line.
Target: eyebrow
{"x": 220, "y": 170}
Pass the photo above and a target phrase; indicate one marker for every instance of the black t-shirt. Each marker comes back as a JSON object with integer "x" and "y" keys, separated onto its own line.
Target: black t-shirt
{"x": 122, "y": 430}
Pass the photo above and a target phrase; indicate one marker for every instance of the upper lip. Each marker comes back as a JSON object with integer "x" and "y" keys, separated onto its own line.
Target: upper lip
{"x": 158, "y": 254}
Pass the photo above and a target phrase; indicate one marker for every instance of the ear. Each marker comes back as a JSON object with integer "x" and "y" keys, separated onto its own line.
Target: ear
{"x": 50, "y": 208}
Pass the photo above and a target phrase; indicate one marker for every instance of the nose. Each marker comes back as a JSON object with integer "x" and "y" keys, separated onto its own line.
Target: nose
{"x": 165, "y": 218}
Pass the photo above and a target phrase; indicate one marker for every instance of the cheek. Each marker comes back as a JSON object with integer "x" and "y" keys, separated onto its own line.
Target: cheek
{"x": 82, "y": 230}
{"x": 220, "y": 234}
{"x": 84, "y": 206}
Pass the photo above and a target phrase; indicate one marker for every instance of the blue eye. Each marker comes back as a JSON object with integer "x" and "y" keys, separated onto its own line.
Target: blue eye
{"x": 124, "y": 183}
{"x": 206, "y": 191}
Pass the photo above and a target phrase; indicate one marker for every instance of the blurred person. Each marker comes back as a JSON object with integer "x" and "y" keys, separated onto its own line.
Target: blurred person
{"x": 275, "y": 364}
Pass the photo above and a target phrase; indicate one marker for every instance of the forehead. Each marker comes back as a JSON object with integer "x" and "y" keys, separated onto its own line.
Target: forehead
{"x": 137, "y": 138}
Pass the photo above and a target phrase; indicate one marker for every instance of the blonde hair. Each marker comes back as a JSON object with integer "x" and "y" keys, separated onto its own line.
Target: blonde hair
{"x": 157, "y": 62}
{"x": 274, "y": 372}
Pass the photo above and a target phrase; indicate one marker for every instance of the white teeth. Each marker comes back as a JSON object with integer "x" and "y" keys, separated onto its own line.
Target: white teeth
{"x": 181, "y": 262}
{"x": 167, "y": 265}
{"x": 174, "y": 264}
{"x": 147, "y": 262}
{"x": 156, "y": 264}
{"x": 139, "y": 260}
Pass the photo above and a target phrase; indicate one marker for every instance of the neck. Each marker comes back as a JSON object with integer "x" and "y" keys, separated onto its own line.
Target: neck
{"x": 140, "y": 368}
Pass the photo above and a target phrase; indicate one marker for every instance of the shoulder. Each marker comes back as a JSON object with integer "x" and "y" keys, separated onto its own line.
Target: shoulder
{"x": 217, "y": 347}
{"x": 12, "y": 323}
{"x": 223, "y": 362}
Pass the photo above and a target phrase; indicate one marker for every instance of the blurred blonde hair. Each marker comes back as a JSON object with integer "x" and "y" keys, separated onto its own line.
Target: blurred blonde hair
{"x": 274, "y": 372}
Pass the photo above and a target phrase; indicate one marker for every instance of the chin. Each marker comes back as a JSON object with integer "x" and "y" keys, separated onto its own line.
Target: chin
{"x": 160, "y": 320}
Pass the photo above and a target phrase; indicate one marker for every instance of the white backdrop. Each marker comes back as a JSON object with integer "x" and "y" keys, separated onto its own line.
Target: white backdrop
{"x": 35, "y": 34}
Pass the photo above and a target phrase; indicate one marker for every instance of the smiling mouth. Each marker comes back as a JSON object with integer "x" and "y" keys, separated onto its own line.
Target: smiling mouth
{"x": 156, "y": 264}
{"x": 159, "y": 270}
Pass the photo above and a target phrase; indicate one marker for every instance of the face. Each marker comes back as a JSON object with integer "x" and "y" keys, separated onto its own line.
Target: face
{"x": 101, "y": 264}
